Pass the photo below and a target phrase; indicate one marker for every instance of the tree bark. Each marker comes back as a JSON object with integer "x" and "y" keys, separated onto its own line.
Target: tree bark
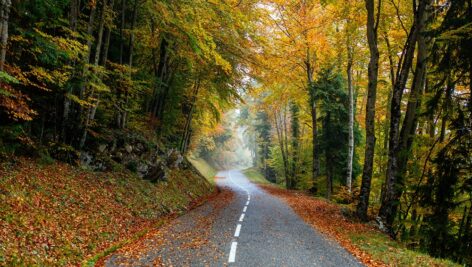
{"x": 295, "y": 125}
{"x": 280, "y": 133}
{"x": 107, "y": 38}
{"x": 373, "y": 70}
{"x": 122, "y": 28}
{"x": 4, "y": 17}
{"x": 188, "y": 122}
{"x": 92, "y": 110}
{"x": 350, "y": 154}
{"x": 314, "y": 128}
{"x": 394, "y": 179}
{"x": 73, "y": 21}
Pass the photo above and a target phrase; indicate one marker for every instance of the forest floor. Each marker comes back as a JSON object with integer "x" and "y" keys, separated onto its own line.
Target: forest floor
{"x": 364, "y": 241}
{"x": 55, "y": 214}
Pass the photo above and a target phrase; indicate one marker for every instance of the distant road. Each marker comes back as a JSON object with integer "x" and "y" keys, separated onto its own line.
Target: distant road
{"x": 253, "y": 229}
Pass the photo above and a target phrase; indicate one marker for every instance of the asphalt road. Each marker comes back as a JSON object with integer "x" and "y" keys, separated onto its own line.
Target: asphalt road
{"x": 253, "y": 229}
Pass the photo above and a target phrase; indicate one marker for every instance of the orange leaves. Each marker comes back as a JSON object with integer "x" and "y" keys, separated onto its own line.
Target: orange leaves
{"x": 58, "y": 215}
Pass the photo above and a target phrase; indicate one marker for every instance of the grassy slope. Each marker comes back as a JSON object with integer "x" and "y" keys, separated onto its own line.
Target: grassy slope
{"x": 255, "y": 176}
{"x": 204, "y": 168}
{"x": 369, "y": 245}
{"x": 60, "y": 215}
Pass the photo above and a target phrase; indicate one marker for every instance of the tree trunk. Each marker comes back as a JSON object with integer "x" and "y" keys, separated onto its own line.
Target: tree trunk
{"x": 370, "y": 109}
{"x": 280, "y": 133}
{"x": 188, "y": 122}
{"x": 92, "y": 110}
{"x": 107, "y": 38}
{"x": 350, "y": 153}
{"x": 328, "y": 158}
{"x": 122, "y": 28}
{"x": 123, "y": 110}
{"x": 315, "y": 150}
{"x": 73, "y": 21}
{"x": 294, "y": 109}
{"x": 394, "y": 183}
{"x": 4, "y": 17}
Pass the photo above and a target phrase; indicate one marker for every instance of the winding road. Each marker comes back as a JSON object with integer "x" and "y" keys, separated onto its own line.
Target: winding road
{"x": 252, "y": 229}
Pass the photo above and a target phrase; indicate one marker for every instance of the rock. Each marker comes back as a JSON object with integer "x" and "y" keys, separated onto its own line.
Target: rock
{"x": 142, "y": 169}
{"x": 128, "y": 148}
{"x": 174, "y": 159}
{"x": 380, "y": 224}
{"x": 85, "y": 158}
{"x": 102, "y": 148}
{"x": 157, "y": 173}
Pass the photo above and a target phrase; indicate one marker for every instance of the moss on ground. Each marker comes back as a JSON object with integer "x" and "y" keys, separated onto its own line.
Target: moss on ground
{"x": 204, "y": 168}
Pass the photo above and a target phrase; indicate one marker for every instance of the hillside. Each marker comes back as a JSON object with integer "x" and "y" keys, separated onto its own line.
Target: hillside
{"x": 57, "y": 214}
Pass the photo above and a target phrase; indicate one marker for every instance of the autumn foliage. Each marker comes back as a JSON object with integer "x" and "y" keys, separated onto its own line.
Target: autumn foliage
{"x": 59, "y": 215}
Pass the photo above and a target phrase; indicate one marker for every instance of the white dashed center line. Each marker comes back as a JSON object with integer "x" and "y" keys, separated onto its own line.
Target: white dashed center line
{"x": 232, "y": 253}
{"x": 234, "y": 244}
{"x": 238, "y": 230}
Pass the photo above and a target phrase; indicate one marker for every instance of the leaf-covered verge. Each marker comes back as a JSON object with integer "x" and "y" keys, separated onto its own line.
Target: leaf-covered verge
{"x": 364, "y": 241}
{"x": 180, "y": 241}
{"x": 60, "y": 215}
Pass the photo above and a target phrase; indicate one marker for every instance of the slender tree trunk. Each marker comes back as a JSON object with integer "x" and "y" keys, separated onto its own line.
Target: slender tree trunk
{"x": 373, "y": 70}
{"x": 123, "y": 111}
{"x": 4, "y": 17}
{"x": 446, "y": 110}
{"x": 122, "y": 28}
{"x": 394, "y": 182}
{"x": 188, "y": 121}
{"x": 294, "y": 109}
{"x": 92, "y": 110}
{"x": 350, "y": 154}
{"x": 315, "y": 150}
{"x": 391, "y": 68}
{"x": 328, "y": 159}
{"x": 280, "y": 133}
{"x": 73, "y": 21}
{"x": 287, "y": 152}
{"x": 107, "y": 38}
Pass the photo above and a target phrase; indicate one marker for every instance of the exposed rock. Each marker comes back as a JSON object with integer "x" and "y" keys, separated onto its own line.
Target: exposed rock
{"x": 134, "y": 152}
{"x": 380, "y": 224}
{"x": 157, "y": 173}
{"x": 174, "y": 159}
{"x": 102, "y": 148}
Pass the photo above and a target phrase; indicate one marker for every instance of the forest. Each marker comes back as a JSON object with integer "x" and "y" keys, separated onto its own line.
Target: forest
{"x": 367, "y": 103}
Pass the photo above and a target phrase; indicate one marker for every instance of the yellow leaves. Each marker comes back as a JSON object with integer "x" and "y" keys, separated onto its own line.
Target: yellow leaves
{"x": 79, "y": 101}
{"x": 15, "y": 104}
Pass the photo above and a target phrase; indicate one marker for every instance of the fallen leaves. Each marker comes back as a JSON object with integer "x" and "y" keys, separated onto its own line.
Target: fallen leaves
{"x": 178, "y": 241}
{"x": 60, "y": 215}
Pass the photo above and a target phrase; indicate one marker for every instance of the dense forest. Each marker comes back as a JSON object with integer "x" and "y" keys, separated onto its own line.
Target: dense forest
{"x": 367, "y": 103}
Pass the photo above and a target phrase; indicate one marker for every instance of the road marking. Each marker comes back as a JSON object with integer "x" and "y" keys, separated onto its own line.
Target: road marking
{"x": 232, "y": 253}
{"x": 234, "y": 244}
{"x": 238, "y": 230}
